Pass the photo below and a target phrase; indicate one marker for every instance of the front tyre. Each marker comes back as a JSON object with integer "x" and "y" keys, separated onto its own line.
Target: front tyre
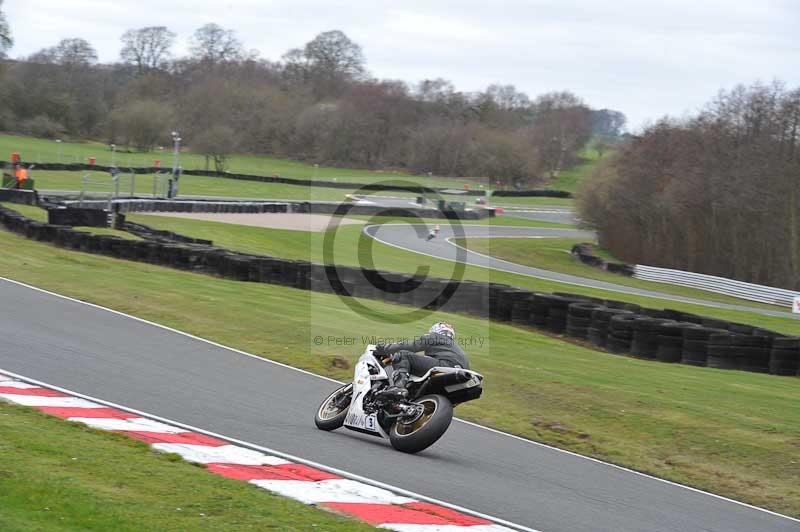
{"x": 331, "y": 413}
{"x": 420, "y": 433}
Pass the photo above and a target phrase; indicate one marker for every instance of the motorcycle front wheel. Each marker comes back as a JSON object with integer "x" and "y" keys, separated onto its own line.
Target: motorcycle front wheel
{"x": 331, "y": 413}
{"x": 416, "y": 434}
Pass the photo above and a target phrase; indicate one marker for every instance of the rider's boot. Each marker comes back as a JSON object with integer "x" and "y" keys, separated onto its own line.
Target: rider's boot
{"x": 397, "y": 391}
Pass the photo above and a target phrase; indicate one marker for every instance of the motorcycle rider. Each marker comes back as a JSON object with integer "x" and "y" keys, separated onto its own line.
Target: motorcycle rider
{"x": 433, "y": 233}
{"x": 439, "y": 347}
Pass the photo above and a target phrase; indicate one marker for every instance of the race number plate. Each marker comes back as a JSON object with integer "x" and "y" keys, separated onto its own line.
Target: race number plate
{"x": 361, "y": 421}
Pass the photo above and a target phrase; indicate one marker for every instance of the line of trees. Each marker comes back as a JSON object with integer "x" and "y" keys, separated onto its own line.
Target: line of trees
{"x": 318, "y": 103}
{"x": 716, "y": 193}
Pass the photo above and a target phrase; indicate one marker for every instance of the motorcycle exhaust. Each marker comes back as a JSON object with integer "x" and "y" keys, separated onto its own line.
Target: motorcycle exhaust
{"x": 448, "y": 379}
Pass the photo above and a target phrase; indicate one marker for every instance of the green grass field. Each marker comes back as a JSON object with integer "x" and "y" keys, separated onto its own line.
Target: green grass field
{"x": 60, "y": 476}
{"x": 189, "y": 186}
{"x": 143, "y": 185}
{"x": 570, "y": 179}
{"x": 35, "y": 150}
{"x": 730, "y": 432}
{"x": 352, "y": 248}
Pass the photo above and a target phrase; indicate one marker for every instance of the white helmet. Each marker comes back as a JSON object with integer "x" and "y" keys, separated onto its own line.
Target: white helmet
{"x": 443, "y": 328}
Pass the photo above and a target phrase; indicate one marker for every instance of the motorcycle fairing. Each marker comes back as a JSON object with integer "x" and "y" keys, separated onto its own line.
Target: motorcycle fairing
{"x": 367, "y": 370}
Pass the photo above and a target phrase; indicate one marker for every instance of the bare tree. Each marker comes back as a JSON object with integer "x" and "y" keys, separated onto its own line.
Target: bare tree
{"x": 507, "y": 97}
{"x": 435, "y": 90}
{"x": 214, "y": 44}
{"x": 5, "y": 33}
{"x": 147, "y": 48}
{"x": 326, "y": 63}
{"x": 608, "y": 122}
{"x": 561, "y": 126}
{"x": 75, "y": 52}
{"x": 142, "y": 125}
{"x": 216, "y": 143}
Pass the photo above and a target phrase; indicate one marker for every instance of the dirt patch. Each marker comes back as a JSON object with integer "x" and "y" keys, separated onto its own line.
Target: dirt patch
{"x": 298, "y": 222}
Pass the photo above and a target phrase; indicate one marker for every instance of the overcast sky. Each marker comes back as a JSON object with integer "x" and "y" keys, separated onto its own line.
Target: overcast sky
{"x": 644, "y": 58}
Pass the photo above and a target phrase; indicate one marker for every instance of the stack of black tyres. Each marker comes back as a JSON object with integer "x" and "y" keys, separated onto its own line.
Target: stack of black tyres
{"x": 497, "y": 307}
{"x": 558, "y": 311}
{"x": 670, "y": 340}
{"x": 579, "y": 319}
{"x": 601, "y": 319}
{"x": 540, "y": 307}
{"x": 785, "y": 356}
{"x": 521, "y": 307}
{"x": 620, "y": 333}
{"x": 754, "y": 352}
{"x": 723, "y": 351}
{"x": 645, "y": 336}
{"x": 695, "y": 345}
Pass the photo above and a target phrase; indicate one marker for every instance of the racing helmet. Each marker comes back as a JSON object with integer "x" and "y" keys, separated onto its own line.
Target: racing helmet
{"x": 444, "y": 328}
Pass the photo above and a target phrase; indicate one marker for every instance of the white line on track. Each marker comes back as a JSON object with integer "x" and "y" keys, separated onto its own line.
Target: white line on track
{"x": 334, "y": 470}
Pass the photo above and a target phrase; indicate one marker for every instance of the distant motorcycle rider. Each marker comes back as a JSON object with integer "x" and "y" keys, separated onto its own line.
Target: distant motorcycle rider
{"x": 439, "y": 347}
{"x": 433, "y": 233}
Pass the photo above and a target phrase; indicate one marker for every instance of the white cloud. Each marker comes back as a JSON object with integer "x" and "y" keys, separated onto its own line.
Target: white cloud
{"x": 645, "y": 58}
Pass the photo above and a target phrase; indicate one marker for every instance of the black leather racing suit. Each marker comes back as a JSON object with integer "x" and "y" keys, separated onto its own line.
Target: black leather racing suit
{"x": 439, "y": 349}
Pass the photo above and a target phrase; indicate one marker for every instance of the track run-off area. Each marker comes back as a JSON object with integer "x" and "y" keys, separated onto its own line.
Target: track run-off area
{"x": 407, "y": 237}
{"x": 143, "y": 366}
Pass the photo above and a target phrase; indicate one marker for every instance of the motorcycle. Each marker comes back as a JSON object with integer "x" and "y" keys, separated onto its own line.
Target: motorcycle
{"x": 411, "y": 424}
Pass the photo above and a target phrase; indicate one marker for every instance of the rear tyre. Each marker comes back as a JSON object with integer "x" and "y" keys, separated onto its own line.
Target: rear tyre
{"x": 331, "y": 413}
{"x": 421, "y": 433}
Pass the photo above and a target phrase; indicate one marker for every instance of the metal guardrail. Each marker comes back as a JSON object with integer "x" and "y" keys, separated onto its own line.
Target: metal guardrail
{"x": 719, "y": 285}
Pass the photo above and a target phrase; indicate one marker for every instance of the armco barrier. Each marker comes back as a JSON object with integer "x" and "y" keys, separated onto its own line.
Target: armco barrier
{"x": 719, "y": 285}
{"x": 622, "y": 328}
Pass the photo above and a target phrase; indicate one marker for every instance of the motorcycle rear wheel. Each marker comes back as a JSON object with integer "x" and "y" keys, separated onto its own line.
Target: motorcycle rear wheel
{"x": 330, "y": 416}
{"x": 421, "y": 433}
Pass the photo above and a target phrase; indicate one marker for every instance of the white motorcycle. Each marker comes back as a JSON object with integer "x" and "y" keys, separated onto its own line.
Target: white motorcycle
{"x": 412, "y": 424}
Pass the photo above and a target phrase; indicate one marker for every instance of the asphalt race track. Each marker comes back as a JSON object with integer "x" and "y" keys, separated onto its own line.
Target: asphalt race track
{"x": 405, "y": 237}
{"x": 116, "y": 358}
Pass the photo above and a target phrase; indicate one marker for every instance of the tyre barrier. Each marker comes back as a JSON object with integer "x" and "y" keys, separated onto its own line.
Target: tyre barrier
{"x": 25, "y": 197}
{"x": 147, "y": 205}
{"x": 583, "y": 252}
{"x": 621, "y": 328}
{"x": 76, "y": 216}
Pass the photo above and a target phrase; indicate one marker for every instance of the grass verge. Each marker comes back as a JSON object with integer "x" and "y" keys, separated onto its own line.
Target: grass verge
{"x": 56, "y": 475}
{"x": 733, "y": 433}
